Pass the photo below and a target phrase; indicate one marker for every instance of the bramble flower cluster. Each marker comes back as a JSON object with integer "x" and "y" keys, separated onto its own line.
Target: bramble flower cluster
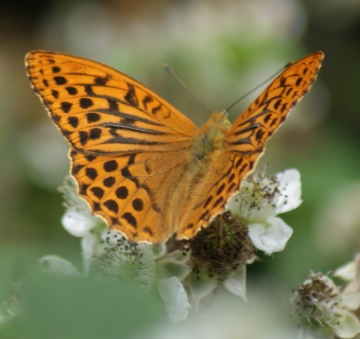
{"x": 259, "y": 202}
{"x": 328, "y": 308}
{"x": 186, "y": 273}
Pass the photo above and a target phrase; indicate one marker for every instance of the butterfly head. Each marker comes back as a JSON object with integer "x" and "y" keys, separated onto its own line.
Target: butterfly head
{"x": 220, "y": 120}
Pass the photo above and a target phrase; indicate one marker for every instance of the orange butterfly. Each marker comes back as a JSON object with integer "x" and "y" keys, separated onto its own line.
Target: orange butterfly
{"x": 142, "y": 165}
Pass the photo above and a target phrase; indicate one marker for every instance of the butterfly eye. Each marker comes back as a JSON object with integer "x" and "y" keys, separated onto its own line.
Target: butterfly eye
{"x": 227, "y": 123}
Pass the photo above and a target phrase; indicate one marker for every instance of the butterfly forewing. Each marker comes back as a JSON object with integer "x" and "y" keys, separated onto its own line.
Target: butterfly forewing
{"x": 264, "y": 116}
{"x": 102, "y": 111}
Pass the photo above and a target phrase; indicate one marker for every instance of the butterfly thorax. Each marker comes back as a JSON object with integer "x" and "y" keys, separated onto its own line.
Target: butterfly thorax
{"x": 210, "y": 137}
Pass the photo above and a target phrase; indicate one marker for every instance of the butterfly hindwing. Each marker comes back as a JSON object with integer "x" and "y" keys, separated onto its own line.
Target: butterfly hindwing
{"x": 131, "y": 191}
{"x": 221, "y": 183}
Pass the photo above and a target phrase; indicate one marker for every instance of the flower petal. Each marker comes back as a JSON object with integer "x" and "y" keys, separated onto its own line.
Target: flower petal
{"x": 176, "y": 301}
{"x": 351, "y": 301}
{"x": 236, "y": 284}
{"x": 88, "y": 243}
{"x": 349, "y": 325}
{"x": 354, "y": 285}
{"x": 57, "y": 265}
{"x": 77, "y": 224}
{"x": 147, "y": 270}
{"x": 272, "y": 238}
{"x": 262, "y": 198}
{"x": 201, "y": 286}
{"x": 250, "y": 207}
{"x": 347, "y": 271}
{"x": 289, "y": 187}
{"x": 172, "y": 268}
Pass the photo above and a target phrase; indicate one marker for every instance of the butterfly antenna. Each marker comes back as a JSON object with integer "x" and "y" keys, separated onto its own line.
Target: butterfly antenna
{"x": 171, "y": 71}
{"x": 262, "y": 84}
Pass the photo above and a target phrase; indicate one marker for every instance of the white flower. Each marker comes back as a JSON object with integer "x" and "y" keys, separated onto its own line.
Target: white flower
{"x": 236, "y": 283}
{"x": 148, "y": 266}
{"x": 260, "y": 200}
{"x": 348, "y": 271}
{"x": 202, "y": 286}
{"x": 82, "y": 224}
{"x": 351, "y": 273}
{"x": 323, "y": 305}
{"x": 176, "y": 301}
{"x": 77, "y": 220}
{"x": 77, "y": 223}
{"x": 56, "y": 265}
{"x": 270, "y": 237}
{"x": 288, "y": 194}
{"x": 110, "y": 252}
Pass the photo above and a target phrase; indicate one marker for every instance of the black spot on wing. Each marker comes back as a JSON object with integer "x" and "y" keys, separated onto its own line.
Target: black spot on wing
{"x": 138, "y": 204}
{"x": 130, "y": 219}
{"x": 110, "y": 166}
{"x": 60, "y": 80}
{"x": 98, "y": 192}
{"x": 73, "y": 121}
{"x": 220, "y": 189}
{"x": 85, "y": 103}
{"x": 56, "y": 69}
{"x": 130, "y": 96}
{"x": 65, "y": 106}
{"x": 109, "y": 181}
{"x": 112, "y": 205}
{"x": 71, "y": 90}
{"x": 122, "y": 192}
{"x": 91, "y": 173}
{"x": 95, "y": 133}
{"x": 92, "y": 117}
{"x": 148, "y": 230}
{"x": 55, "y": 94}
{"x": 101, "y": 81}
{"x": 208, "y": 200}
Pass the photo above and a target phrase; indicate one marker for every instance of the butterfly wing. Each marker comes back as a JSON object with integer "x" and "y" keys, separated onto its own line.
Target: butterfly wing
{"x": 132, "y": 192}
{"x": 102, "y": 111}
{"x": 245, "y": 141}
{"x": 129, "y": 147}
{"x": 264, "y": 116}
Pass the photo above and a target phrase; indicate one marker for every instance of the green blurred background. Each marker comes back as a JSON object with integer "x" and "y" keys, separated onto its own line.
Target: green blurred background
{"x": 221, "y": 49}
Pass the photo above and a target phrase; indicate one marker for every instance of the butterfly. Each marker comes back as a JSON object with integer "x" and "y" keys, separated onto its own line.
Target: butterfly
{"x": 142, "y": 165}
